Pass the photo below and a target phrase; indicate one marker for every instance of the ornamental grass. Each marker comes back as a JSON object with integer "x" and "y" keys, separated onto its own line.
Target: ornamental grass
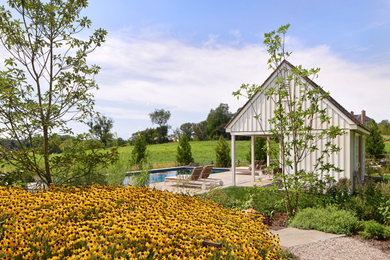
{"x": 105, "y": 222}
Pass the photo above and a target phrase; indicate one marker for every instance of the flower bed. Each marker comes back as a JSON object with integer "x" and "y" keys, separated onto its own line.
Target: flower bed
{"x": 106, "y": 222}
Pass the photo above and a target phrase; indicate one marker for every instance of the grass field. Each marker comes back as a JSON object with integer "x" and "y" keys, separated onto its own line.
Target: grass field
{"x": 164, "y": 155}
{"x": 387, "y": 147}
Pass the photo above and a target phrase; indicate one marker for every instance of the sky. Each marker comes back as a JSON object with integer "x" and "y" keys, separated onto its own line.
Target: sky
{"x": 189, "y": 56}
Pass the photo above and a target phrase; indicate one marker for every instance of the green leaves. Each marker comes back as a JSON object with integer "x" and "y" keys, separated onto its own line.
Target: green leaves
{"x": 298, "y": 121}
{"x": 41, "y": 36}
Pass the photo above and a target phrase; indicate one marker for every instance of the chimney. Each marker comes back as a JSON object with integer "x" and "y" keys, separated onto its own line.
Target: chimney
{"x": 363, "y": 117}
{"x": 352, "y": 113}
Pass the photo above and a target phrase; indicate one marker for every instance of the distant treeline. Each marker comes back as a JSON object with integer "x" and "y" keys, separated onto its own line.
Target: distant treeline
{"x": 384, "y": 127}
{"x": 210, "y": 129}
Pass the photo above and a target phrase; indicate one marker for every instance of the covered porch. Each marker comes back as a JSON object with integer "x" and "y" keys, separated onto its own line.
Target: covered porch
{"x": 235, "y": 172}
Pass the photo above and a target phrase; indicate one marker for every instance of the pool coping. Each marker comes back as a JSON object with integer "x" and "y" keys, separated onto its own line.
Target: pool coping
{"x": 169, "y": 169}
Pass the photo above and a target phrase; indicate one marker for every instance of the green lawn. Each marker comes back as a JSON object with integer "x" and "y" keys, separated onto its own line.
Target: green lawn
{"x": 203, "y": 152}
{"x": 164, "y": 155}
{"x": 387, "y": 147}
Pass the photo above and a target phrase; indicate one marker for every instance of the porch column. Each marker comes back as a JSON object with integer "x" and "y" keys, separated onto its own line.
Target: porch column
{"x": 253, "y": 156}
{"x": 268, "y": 153}
{"x": 233, "y": 160}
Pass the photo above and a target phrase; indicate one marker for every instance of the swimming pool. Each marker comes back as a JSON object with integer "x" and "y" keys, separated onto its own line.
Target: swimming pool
{"x": 159, "y": 175}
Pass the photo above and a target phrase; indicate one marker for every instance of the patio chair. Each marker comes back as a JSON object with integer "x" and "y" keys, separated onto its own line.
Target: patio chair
{"x": 258, "y": 165}
{"x": 205, "y": 176}
{"x": 194, "y": 176}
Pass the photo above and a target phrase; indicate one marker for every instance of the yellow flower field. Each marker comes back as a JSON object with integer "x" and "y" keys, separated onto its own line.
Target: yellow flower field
{"x": 104, "y": 222}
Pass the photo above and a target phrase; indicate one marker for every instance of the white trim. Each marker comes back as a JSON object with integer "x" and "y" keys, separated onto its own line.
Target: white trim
{"x": 253, "y": 156}
{"x": 233, "y": 160}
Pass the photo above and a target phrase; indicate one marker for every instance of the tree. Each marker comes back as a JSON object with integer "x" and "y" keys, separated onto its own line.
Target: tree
{"x": 222, "y": 153}
{"x": 184, "y": 154}
{"x": 187, "y": 129}
{"x": 375, "y": 143}
{"x": 200, "y": 131}
{"x": 139, "y": 152}
{"x": 160, "y": 117}
{"x": 100, "y": 128}
{"x": 297, "y": 107}
{"x": 41, "y": 40}
{"x": 216, "y": 121}
{"x": 384, "y": 127}
{"x": 260, "y": 150}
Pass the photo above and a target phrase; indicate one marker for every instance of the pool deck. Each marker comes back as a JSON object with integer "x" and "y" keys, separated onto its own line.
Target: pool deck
{"x": 243, "y": 178}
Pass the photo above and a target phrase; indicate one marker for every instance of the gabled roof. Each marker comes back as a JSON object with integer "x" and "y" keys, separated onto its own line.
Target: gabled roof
{"x": 314, "y": 85}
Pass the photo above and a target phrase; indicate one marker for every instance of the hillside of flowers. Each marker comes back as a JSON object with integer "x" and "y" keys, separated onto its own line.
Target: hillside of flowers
{"x": 105, "y": 222}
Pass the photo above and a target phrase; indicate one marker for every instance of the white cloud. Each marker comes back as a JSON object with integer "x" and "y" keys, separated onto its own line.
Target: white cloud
{"x": 140, "y": 73}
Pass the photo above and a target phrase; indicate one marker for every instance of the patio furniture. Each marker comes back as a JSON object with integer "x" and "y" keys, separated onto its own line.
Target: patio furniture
{"x": 205, "y": 176}
{"x": 195, "y": 175}
{"x": 194, "y": 180}
{"x": 258, "y": 165}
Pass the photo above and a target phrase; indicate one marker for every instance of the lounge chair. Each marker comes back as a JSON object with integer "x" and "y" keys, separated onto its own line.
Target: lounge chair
{"x": 205, "y": 176}
{"x": 258, "y": 165}
{"x": 195, "y": 175}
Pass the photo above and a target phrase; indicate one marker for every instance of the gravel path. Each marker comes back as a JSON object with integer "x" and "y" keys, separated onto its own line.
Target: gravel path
{"x": 338, "y": 248}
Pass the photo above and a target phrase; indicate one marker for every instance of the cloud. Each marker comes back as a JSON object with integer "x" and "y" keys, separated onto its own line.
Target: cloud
{"x": 140, "y": 73}
{"x": 175, "y": 75}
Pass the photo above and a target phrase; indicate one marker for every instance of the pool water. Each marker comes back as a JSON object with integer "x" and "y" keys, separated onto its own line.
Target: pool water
{"x": 159, "y": 175}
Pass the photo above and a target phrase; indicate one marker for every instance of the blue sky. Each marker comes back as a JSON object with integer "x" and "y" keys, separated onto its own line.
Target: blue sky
{"x": 188, "y": 56}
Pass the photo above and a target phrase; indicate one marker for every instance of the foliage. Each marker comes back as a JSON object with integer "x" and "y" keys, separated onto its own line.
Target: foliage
{"x": 341, "y": 192}
{"x": 100, "y": 128}
{"x": 142, "y": 179}
{"x": 131, "y": 223}
{"x": 184, "y": 154}
{"x": 384, "y": 127}
{"x": 260, "y": 150}
{"x": 120, "y": 141}
{"x": 200, "y": 133}
{"x": 139, "y": 153}
{"x": 149, "y": 134}
{"x": 40, "y": 36}
{"x": 161, "y": 134}
{"x": 297, "y": 107}
{"x": 81, "y": 163}
{"x": 160, "y": 117}
{"x": 264, "y": 199}
{"x": 216, "y": 121}
{"x": 187, "y": 129}
{"x": 370, "y": 202}
{"x": 12, "y": 178}
{"x": 384, "y": 210}
{"x": 369, "y": 199}
{"x": 374, "y": 142}
{"x": 222, "y": 153}
{"x": 330, "y": 219}
{"x": 152, "y": 135}
{"x": 374, "y": 230}
{"x": 164, "y": 155}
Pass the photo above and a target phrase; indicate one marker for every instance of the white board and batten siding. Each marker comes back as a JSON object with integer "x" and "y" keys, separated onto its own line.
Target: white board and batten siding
{"x": 246, "y": 123}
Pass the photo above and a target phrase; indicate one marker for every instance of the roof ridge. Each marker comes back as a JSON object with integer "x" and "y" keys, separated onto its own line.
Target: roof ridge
{"x": 311, "y": 82}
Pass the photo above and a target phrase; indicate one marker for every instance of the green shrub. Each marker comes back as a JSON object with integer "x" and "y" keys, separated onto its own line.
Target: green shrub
{"x": 384, "y": 211}
{"x": 139, "y": 153}
{"x": 368, "y": 200}
{"x": 184, "y": 154}
{"x": 340, "y": 192}
{"x": 260, "y": 150}
{"x": 222, "y": 153}
{"x": 386, "y": 233}
{"x": 142, "y": 179}
{"x": 328, "y": 219}
{"x": 373, "y": 230}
